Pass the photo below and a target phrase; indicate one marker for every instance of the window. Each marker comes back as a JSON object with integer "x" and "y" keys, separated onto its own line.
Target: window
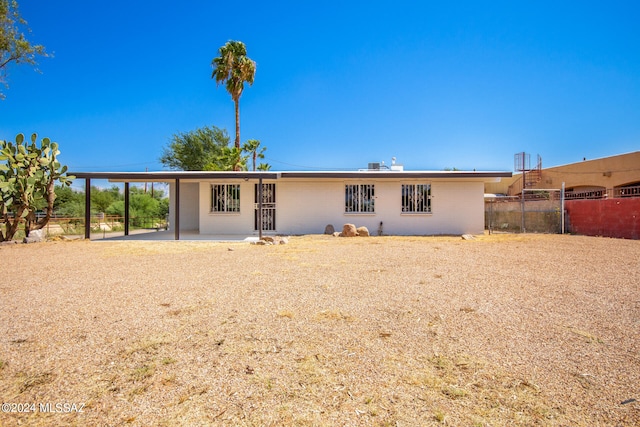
{"x": 359, "y": 198}
{"x": 225, "y": 198}
{"x": 416, "y": 198}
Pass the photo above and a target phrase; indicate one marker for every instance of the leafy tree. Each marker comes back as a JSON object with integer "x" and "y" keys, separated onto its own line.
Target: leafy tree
{"x": 144, "y": 206}
{"x": 252, "y": 147}
{"x": 141, "y": 206}
{"x": 116, "y": 208}
{"x": 14, "y": 47}
{"x": 101, "y": 199}
{"x": 163, "y": 207}
{"x": 234, "y": 68}
{"x": 69, "y": 203}
{"x": 65, "y": 194}
{"x": 264, "y": 167}
{"x": 196, "y": 150}
{"x": 209, "y": 149}
{"x": 160, "y": 209}
{"x": 27, "y": 183}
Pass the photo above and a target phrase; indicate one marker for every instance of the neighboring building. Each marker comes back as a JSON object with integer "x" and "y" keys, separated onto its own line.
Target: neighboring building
{"x": 608, "y": 176}
{"x": 400, "y": 202}
{"x": 601, "y": 198}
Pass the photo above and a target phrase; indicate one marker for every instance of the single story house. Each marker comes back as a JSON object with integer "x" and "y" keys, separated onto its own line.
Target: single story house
{"x": 396, "y": 202}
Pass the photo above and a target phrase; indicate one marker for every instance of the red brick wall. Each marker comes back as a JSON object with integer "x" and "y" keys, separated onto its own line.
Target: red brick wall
{"x": 609, "y": 217}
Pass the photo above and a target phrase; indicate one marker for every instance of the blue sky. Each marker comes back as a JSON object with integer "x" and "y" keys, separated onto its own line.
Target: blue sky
{"x": 338, "y": 84}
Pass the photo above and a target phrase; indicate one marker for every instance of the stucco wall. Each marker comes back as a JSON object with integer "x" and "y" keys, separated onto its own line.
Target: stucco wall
{"x": 228, "y": 223}
{"x": 607, "y": 217}
{"x": 307, "y": 206}
{"x": 608, "y": 172}
{"x": 189, "y": 201}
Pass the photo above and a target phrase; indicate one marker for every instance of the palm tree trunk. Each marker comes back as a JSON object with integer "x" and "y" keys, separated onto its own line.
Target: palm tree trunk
{"x": 237, "y": 142}
{"x": 236, "y": 167}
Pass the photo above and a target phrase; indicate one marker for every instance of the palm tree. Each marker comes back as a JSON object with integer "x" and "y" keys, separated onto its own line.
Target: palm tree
{"x": 251, "y": 147}
{"x": 234, "y": 67}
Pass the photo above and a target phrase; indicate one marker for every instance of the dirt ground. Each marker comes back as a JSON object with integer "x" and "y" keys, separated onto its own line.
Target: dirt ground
{"x": 502, "y": 330}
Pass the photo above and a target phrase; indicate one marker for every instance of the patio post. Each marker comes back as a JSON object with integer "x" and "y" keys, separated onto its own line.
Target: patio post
{"x": 176, "y": 206}
{"x": 87, "y": 208}
{"x": 260, "y": 208}
{"x": 126, "y": 208}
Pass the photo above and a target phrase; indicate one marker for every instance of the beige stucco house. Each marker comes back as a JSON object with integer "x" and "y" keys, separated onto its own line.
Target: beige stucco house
{"x": 397, "y": 202}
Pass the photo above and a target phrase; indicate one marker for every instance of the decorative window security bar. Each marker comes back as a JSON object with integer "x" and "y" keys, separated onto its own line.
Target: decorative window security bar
{"x": 416, "y": 198}
{"x": 359, "y": 198}
{"x": 225, "y": 198}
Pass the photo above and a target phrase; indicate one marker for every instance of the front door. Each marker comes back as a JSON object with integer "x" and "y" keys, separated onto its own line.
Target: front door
{"x": 268, "y": 207}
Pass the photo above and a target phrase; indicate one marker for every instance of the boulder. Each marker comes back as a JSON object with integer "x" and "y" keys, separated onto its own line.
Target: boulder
{"x": 329, "y": 229}
{"x": 35, "y": 236}
{"x": 337, "y": 234}
{"x": 363, "y": 231}
{"x": 349, "y": 230}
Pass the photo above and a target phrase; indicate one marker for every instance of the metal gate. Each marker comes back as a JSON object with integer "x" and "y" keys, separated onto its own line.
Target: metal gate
{"x": 268, "y": 207}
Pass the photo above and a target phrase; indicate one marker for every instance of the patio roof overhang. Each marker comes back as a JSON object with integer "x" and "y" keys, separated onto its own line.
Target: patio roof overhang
{"x": 170, "y": 176}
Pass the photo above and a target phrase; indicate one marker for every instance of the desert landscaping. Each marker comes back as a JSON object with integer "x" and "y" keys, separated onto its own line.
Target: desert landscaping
{"x": 498, "y": 330}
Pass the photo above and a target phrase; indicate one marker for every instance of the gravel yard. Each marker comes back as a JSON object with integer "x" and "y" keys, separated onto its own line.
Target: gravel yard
{"x": 502, "y": 330}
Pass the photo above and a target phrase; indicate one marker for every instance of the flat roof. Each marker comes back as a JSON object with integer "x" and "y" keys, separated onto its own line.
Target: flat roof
{"x": 165, "y": 176}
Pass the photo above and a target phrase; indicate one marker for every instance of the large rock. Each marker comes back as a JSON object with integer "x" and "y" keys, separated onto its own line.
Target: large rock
{"x": 363, "y": 231}
{"x": 329, "y": 229}
{"x": 35, "y": 236}
{"x": 349, "y": 230}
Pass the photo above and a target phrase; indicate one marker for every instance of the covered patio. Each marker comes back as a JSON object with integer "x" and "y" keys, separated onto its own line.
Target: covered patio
{"x": 171, "y": 177}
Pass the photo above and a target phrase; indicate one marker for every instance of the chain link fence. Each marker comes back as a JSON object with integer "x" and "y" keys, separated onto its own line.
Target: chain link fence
{"x": 537, "y": 212}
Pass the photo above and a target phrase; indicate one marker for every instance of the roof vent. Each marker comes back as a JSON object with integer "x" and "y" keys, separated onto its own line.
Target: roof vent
{"x": 395, "y": 166}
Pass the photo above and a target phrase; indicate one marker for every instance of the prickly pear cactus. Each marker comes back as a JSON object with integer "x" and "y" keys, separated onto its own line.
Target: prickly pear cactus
{"x": 28, "y": 174}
